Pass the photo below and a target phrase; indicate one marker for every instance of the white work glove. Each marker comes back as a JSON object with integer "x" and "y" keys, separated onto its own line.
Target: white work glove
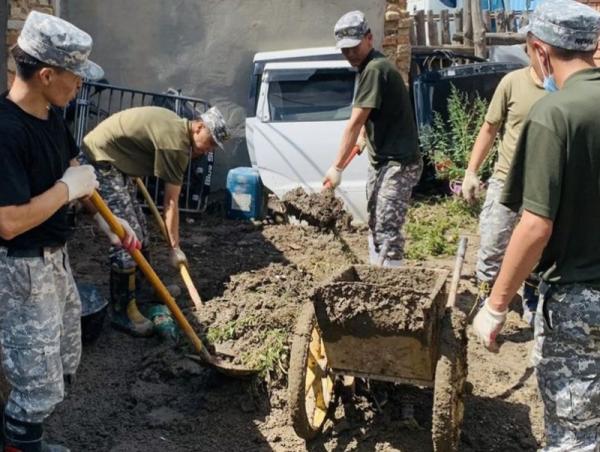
{"x": 470, "y": 186}
{"x": 487, "y": 324}
{"x": 177, "y": 257}
{"x": 80, "y": 181}
{"x": 361, "y": 143}
{"x": 129, "y": 242}
{"x": 333, "y": 176}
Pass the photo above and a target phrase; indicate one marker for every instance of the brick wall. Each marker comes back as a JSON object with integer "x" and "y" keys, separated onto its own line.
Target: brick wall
{"x": 396, "y": 40}
{"x": 17, "y": 12}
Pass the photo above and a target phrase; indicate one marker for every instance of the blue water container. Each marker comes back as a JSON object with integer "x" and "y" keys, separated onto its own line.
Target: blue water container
{"x": 244, "y": 193}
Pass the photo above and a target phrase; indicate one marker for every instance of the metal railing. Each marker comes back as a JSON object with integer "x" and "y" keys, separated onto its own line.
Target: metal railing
{"x": 97, "y": 101}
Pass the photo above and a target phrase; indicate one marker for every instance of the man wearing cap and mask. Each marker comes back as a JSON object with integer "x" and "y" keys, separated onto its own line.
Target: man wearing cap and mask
{"x": 40, "y": 337}
{"x": 382, "y": 105}
{"x": 140, "y": 142}
{"x": 555, "y": 180}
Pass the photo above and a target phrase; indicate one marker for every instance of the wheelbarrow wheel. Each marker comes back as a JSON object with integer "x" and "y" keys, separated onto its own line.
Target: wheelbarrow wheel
{"x": 450, "y": 378}
{"x": 310, "y": 381}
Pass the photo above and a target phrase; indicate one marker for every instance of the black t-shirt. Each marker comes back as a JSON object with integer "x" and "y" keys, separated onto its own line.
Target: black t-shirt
{"x": 34, "y": 154}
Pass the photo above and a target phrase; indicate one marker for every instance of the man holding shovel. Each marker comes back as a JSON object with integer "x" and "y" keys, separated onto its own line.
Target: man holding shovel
{"x": 140, "y": 142}
{"x": 40, "y": 335}
{"x": 382, "y": 106}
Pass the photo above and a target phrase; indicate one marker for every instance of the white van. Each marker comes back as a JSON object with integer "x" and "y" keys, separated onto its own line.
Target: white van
{"x": 299, "y": 103}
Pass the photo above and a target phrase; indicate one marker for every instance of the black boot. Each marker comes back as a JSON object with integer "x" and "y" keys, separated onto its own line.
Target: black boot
{"x": 22, "y": 436}
{"x": 125, "y": 314}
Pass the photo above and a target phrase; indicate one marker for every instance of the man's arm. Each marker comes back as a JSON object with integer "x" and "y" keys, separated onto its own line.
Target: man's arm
{"x": 15, "y": 220}
{"x": 483, "y": 144}
{"x": 527, "y": 243}
{"x": 171, "y": 212}
{"x": 357, "y": 120}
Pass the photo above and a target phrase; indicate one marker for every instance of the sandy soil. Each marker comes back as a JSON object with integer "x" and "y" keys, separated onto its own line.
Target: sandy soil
{"x": 140, "y": 395}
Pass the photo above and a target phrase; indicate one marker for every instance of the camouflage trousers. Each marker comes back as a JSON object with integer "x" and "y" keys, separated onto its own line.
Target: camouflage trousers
{"x": 566, "y": 355}
{"x": 40, "y": 331}
{"x": 119, "y": 192}
{"x": 496, "y": 224}
{"x": 389, "y": 189}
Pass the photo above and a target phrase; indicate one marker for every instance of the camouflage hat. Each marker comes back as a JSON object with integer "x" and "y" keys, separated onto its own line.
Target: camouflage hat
{"x": 565, "y": 24}
{"x": 350, "y": 29}
{"x": 58, "y": 43}
{"x": 216, "y": 124}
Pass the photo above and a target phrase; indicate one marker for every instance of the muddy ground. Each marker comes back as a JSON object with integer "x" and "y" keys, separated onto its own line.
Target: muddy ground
{"x": 136, "y": 394}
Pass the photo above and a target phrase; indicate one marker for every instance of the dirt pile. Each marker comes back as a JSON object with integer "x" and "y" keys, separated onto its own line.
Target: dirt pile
{"x": 322, "y": 210}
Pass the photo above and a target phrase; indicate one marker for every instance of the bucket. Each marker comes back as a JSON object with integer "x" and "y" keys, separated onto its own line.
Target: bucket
{"x": 244, "y": 194}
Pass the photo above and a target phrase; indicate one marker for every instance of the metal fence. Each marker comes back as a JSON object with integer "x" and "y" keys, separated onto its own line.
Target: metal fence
{"x": 97, "y": 101}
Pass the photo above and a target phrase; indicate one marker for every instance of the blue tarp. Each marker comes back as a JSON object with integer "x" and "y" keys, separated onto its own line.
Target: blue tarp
{"x": 449, "y": 3}
{"x": 515, "y": 5}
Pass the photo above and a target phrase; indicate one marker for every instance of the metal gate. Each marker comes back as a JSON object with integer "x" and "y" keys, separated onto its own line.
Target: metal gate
{"x": 97, "y": 101}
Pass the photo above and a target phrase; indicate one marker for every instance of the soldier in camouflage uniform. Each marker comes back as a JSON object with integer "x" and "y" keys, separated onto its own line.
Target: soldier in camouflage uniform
{"x": 140, "y": 142}
{"x": 555, "y": 180}
{"x": 40, "y": 338}
{"x": 516, "y": 93}
{"x": 382, "y": 121}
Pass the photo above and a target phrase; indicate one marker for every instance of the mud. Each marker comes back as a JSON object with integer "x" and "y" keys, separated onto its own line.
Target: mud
{"x": 134, "y": 394}
{"x": 322, "y": 210}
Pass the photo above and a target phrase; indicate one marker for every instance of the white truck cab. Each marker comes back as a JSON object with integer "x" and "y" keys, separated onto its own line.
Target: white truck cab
{"x": 300, "y": 101}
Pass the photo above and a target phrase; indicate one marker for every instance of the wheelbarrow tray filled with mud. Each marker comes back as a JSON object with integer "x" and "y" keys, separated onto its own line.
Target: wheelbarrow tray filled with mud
{"x": 382, "y": 323}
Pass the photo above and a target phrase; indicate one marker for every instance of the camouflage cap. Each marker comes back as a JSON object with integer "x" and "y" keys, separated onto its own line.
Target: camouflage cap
{"x": 216, "y": 124}
{"x": 565, "y": 24}
{"x": 56, "y": 42}
{"x": 350, "y": 29}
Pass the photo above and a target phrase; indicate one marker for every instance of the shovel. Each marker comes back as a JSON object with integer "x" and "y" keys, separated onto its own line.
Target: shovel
{"x": 223, "y": 366}
{"x": 183, "y": 270}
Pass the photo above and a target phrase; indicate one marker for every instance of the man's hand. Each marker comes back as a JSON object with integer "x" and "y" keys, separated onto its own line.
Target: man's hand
{"x": 333, "y": 176}
{"x": 470, "y": 186}
{"x": 80, "y": 181}
{"x": 129, "y": 242}
{"x": 177, "y": 257}
{"x": 487, "y": 324}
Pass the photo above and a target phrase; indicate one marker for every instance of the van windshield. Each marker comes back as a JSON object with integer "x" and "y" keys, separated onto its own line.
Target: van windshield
{"x": 311, "y": 94}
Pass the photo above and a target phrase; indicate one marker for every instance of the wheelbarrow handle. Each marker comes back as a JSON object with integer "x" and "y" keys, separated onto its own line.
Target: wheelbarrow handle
{"x": 151, "y": 275}
{"x": 353, "y": 153}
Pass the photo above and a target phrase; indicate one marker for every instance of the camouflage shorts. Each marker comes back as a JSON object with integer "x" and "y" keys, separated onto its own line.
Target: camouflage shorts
{"x": 40, "y": 331}
{"x": 496, "y": 224}
{"x": 119, "y": 192}
{"x": 566, "y": 354}
{"x": 389, "y": 190}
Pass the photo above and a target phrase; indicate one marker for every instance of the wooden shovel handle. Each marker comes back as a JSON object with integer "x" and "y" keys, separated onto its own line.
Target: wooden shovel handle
{"x": 150, "y": 274}
{"x": 458, "y": 264}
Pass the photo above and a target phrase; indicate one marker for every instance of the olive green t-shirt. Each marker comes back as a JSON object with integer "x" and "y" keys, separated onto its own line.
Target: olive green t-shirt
{"x": 391, "y": 129}
{"x": 142, "y": 141}
{"x": 556, "y": 175}
{"x": 515, "y": 95}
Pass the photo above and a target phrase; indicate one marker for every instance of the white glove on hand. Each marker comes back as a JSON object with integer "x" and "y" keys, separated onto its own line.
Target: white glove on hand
{"x": 80, "y": 181}
{"x": 333, "y": 176}
{"x": 361, "y": 142}
{"x": 487, "y": 324}
{"x": 470, "y": 186}
{"x": 177, "y": 257}
{"x": 130, "y": 241}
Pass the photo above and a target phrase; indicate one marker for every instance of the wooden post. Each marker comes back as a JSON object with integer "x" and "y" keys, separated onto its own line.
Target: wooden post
{"x": 432, "y": 31}
{"x": 445, "y": 21}
{"x": 487, "y": 20}
{"x": 467, "y": 25}
{"x": 478, "y": 30}
{"x": 458, "y": 22}
{"x": 420, "y": 26}
{"x": 500, "y": 22}
{"x": 512, "y": 23}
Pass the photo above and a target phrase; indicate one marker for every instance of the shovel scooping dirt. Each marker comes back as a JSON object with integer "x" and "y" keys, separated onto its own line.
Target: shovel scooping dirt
{"x": 323, "y": 210}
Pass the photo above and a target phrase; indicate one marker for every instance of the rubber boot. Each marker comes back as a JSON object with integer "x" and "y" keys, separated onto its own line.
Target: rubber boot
{"x": 22, "y": 436}
{"x": 125, "y": 314}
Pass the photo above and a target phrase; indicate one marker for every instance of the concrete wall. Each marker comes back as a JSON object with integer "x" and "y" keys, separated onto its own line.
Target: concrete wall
{"x": 205, "y": 47}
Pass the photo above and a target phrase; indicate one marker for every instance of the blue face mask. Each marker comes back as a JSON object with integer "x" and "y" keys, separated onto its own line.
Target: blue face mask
{"x": 550, "y": 84}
